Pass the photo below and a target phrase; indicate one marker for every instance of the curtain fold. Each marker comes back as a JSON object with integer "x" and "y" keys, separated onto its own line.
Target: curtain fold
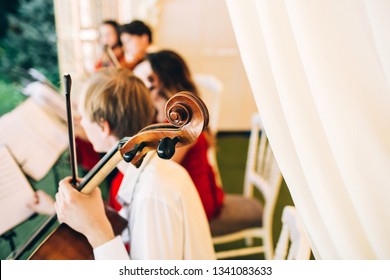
{"x": 319, "y": 73}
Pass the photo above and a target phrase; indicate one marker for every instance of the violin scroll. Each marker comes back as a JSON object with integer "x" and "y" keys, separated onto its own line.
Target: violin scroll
{"x": 184, "y": 107}
{"x": 188, "y": 117}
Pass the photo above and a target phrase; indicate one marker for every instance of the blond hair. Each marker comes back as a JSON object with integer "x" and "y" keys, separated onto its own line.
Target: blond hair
{"x": 121, "y": 99}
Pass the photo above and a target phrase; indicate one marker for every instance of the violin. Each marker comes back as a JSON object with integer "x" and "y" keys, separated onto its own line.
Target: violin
{"x": 187, "y": 116}
{"x": 112, "y": 57}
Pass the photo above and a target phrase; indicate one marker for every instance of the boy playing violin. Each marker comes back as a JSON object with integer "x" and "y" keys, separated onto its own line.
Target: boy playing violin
{"x": 165, "y": 216}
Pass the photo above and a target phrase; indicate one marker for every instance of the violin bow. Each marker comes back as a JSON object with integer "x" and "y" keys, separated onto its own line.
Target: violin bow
{"x": 72, "y": 142}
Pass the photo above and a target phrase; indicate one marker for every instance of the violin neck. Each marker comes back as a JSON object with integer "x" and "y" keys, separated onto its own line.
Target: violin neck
{"x": 101, "y": 170}
{"x": 112, "y": 57}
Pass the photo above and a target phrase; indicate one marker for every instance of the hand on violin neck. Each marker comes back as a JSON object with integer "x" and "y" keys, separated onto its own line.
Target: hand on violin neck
{"x": 83, "y": 212}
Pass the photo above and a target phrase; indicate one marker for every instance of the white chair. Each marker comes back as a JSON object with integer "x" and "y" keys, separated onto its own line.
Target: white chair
{"x": 246, "y": 216}
{"x": 293, "y": 243}
{"x": 211, "y": 93}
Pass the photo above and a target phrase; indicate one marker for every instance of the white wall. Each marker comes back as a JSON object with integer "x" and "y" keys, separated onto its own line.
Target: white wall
{"x": 201, "y": 31}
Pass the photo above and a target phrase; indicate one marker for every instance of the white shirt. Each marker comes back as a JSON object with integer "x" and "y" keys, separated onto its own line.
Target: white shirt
{"x": 166, "y": 219}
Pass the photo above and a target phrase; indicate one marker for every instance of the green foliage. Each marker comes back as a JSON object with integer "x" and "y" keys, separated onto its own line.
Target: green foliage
{"x": 6, "y": 7}
{"x": 30, "y": 41}
{"x": 10, "y": 97}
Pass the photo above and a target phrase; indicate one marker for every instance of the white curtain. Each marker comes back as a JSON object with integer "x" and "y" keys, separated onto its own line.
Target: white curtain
{"x": 320, "y": 75}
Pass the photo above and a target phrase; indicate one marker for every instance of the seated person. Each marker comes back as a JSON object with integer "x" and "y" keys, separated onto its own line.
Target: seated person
{"x": 86, "y": 156}
{"x": 165, "y": 216}
{"x": 109, "y": 37}
{"x": 136, "y": 37}
{"x": 166, "y": 73}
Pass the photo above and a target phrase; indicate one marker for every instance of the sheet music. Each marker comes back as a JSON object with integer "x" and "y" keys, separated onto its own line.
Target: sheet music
{"x": 15, "y": 192}
{"x": 35, "y": 139}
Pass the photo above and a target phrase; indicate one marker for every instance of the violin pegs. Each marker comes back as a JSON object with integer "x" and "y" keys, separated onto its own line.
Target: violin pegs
{"x": 166, "y": 147}
{"x": 128, "y": 157}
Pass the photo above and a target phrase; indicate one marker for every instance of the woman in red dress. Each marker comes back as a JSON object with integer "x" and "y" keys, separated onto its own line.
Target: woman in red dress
{"x": 109, "y": 37}
{"x": 166, "y": 73}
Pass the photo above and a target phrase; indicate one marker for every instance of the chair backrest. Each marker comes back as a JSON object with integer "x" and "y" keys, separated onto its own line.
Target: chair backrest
{"x": 293, "y": 242}
{"x": 211, "y": 92}
{"x": 262, "y": 173}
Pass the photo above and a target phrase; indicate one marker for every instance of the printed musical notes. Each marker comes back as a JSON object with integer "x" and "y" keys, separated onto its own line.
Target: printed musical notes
{"x": 15, "y": 192}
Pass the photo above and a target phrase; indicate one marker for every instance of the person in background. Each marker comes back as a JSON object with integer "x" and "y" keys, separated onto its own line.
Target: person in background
{"x": 166, "y": 73}
{"x": 165, "y": 216}
{"x": 136, "y": 37}
{"x": 109, "y": 37}
{"x": 86, "y": 156}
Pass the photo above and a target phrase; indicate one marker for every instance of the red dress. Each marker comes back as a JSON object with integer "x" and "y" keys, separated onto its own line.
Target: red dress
{"x": 86, "y": 155}
{"x": 114, "y": 188}
{"x": 202, "y": 174}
